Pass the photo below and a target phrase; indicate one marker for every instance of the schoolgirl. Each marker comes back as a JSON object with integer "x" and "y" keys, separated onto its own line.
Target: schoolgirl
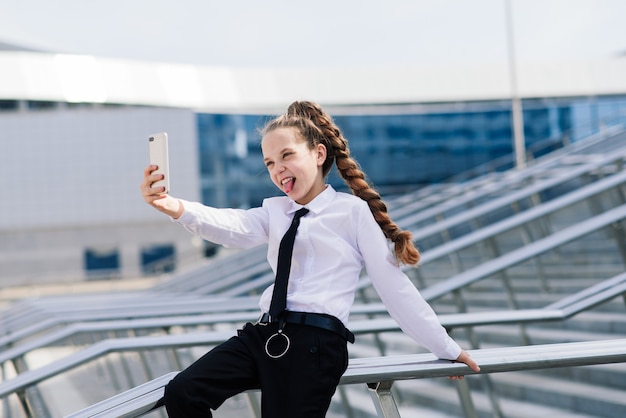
{"x": 296, "y": 353}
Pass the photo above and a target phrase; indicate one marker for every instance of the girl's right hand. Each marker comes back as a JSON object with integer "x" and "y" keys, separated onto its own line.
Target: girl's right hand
{"x": 465, "y": 358}
{"x": 155, "y": 196}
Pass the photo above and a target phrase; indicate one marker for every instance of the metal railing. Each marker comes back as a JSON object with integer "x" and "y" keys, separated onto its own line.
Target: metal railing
{"x": 541, "y": 246}
{"x": 569, "y": 306}
{"x": 560, "y": 145}
{"x": 565, "y": 308}
{"x": 379, "y": 374}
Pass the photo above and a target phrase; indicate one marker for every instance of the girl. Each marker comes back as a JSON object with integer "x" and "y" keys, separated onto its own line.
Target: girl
{"x": 297, "y": 352}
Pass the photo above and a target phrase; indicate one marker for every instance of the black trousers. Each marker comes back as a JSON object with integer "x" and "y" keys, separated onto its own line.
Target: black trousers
{"x": 299, "y": 384}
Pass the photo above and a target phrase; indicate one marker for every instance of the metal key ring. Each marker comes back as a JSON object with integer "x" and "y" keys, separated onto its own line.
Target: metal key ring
{"x": 277, "y": 334}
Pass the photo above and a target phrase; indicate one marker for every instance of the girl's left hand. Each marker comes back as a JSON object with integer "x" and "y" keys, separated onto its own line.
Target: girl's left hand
{"x": 464, "y": 357}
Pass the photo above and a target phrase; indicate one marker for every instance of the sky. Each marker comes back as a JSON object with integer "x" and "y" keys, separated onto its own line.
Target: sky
{"x": 320, "y": 33}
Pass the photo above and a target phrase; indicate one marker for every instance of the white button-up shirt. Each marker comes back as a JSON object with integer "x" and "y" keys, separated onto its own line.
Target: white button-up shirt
{"x": 335, "y": 240}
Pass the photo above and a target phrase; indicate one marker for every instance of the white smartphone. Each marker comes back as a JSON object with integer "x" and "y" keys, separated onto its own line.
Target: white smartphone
{"x": 159, "y": 157}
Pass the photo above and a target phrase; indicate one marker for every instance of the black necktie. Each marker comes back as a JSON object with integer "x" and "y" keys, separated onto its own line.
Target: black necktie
{"x": 285, "y": 250}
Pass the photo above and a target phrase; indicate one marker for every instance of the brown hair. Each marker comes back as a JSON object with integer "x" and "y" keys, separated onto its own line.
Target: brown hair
{"x": 317, "y": 127}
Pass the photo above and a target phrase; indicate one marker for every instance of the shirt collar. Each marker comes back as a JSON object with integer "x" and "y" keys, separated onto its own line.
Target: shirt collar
{"x": 319, "y": 203}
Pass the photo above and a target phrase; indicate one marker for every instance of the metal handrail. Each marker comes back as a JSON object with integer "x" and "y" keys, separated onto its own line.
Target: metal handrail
{"x": 570, "y": 306}
{"x": 120, "y": 309}
{"x": 565, "y": 308}
{"x": 613, "y": 127}
{"x": 515, "y": 257}
{"x": 504, "y": 200}
{"x": 379, "y": 373}
{"x": 492, "y": 182}
{"x": 525, "y": 216}
{"x": 520, "y": 255}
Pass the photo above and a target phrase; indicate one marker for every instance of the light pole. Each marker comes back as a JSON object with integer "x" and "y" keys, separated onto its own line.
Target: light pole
{"x": 519, "y": 143}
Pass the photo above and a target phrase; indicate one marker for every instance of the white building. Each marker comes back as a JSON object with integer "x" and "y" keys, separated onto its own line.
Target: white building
{"x": 73, "y": 142}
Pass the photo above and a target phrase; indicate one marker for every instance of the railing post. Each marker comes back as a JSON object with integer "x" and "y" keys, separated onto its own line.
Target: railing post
{"x": 26, "y": 406}
{"x": 619, "y": 236}
{"x": 489, "y": 390}
{"x": 510, "y": 293}
{"x": 383, "y": 399}
{"x": 527, "y": 237}
{"x": 465, "y": 396}
{"x": 104, "y": 366}
{"x": 124, "y": 364}
{"x": 31, "y": 399}
{"x": 6, "y": 407}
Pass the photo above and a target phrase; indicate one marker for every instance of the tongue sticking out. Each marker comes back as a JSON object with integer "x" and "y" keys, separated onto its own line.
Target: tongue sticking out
{"x": 288, "y": 187}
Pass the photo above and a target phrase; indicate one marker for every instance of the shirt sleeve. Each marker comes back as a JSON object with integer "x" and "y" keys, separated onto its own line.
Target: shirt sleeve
{"x": 401, "y": 298}
{"x": 232, "y": 228}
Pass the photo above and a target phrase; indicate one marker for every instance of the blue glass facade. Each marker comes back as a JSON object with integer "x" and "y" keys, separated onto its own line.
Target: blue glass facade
{"x": 399, "y": 147}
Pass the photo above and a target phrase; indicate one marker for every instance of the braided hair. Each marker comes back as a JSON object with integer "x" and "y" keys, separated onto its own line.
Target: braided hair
{"x": 317, "y": 127}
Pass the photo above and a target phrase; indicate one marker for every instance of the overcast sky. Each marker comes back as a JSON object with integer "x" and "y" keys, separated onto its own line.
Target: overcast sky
{"x": 320, "y": 33}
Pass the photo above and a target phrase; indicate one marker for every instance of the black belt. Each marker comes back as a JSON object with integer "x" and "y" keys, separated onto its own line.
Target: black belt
{"x": 327, "y": 322}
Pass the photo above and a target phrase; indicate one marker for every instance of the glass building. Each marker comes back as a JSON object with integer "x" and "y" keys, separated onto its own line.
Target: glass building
{"x": 400, "y": 147}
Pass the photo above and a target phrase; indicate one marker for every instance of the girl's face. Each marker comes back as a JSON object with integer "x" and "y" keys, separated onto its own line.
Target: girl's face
{"x": 293, "y": 167}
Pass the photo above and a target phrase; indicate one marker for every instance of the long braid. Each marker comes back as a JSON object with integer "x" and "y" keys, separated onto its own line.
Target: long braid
{"x": 326, "y": 132}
